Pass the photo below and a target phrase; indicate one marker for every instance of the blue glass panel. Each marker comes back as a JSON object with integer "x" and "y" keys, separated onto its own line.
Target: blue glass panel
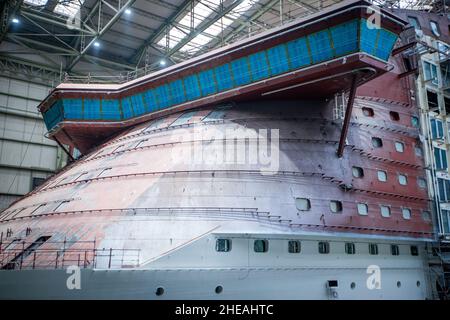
{"x": 368, "y": 37}
{"x": 223, "y": 77}
{"x": 385, "y": 43}
{"x": 150, "y": 97}
{"x": 92, "y": 109}
{"x": 73, "y": 108}
{"x": 345, "y": 37}
{"x": 110, "y": 109}
{"x": 138, "y": 104}
{"x": 278, "y": 59}
{"x": 177, "y": 92}
{"x": 298, "y": 53}
{"x": 259, "y": 66}
{"x": 320, "y": 46}
{"x": 162, "y": 95}
{"x": 240, "y": 70}
{"x": 127, "y": 108}
{"x": 53, "y": 115}
{"x": 192, "y": 88}
{"x": 207, "y": 82}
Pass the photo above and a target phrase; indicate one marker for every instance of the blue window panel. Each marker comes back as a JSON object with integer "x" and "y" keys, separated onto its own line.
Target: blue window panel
{"x": 138, "y": 104}
{"x": 73, "y": 108}
{"x": 437, "y": 130}
{"x": 127, "y": 108}
{"x": 110, "y": 110}
{"x": 385, "y": 43}
{"x": 191, "y": 87}
{"x": 53, "y": 115}
{"x": 320, "y": 46}
{"x": 163, "y": 96}
{"x": 345, "y": 38}
{"x": 240, "y": 71}
{"x": 92, "y": 109}
{"x": 259, "y": 66}
{"x": 368, "y": 37}
{"x": 223, "y": 77}
{"x": 440, "y": 158}
{"x": 278, "y": 59}
{"x": 177, "y": 92}
{"x": 207, "y": 82}
{"x": 152, "y": 102}
{"x": 298, "y": 53}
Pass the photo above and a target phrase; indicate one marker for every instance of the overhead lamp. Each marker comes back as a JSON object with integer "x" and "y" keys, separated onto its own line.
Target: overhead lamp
{"x": 96, "y": 44}
{"x": 162, "y": 62}
{"x": 15, "y": 20}
{"x": 128, "y": 11}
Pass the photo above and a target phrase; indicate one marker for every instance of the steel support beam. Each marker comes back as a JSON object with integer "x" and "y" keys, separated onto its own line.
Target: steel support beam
{"x": 347, "y": 117}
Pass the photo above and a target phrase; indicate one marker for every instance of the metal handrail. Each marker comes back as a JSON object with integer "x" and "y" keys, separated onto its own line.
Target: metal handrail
{"x": 60, "y": 254}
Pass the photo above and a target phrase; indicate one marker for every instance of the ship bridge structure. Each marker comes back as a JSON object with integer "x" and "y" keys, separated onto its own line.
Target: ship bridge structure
{"x": 332, "y": 51}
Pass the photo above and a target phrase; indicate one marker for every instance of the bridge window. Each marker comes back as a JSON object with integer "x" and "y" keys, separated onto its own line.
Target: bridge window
{"x": 414, "y": 23}
{"x": 426, "y": 216}
{"x": 363, "y": 209}
{"x": 294, "y": 246}
{"x": 336, "y": 206}
{"x": 399, "y": 146}
{"x": 406, "y": 212}
{"x": 382, "y": 175}
{"x": 373, "y": 248}
{"x": 261, "y": 245}
{"x": 223, "y": 245}
{"x": 350, "y": 248}
{"x": 422, "y": 183}
{"x": 377, "y": 142}
{"x": 368, "y": 112}
{"x": 303, "y": 204}
{"x": 402, "y": 179}
{"x": 385, "y": 211}
{"x": 394, "y": 115}
{"x": 357, "y": 172}
{"x": 324, "y": 247}
{"x": 435, "y": 28}
{"x": 395, "y": 251}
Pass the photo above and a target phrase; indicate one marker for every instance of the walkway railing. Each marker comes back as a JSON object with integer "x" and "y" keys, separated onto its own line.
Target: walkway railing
{"x": 19, "y": 255}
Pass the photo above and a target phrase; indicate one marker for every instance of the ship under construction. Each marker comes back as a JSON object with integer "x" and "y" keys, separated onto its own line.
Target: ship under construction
{"x": 306, "y": 162}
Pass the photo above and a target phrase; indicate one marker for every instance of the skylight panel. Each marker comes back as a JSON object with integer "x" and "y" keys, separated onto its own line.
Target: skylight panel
{"x": 36, "y": 2}
{"x": 68, "y": 7}
{"x": 201, "y": 11}
{"x": 216, "y": 28}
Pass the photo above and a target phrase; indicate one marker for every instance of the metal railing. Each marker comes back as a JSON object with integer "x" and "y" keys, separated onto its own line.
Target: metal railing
{"x": 20, "y": 255}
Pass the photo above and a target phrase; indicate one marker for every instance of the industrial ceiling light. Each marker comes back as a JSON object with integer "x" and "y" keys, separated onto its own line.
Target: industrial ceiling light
{"x": 163, "y": 63}
{"x": 15, "y": 20}
{"x": 96, "y": 44}
{"x": 128, "y": 11}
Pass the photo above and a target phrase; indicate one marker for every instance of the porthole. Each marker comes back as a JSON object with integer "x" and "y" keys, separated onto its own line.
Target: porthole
{"x": 357, "y": 172}
{"x": 159, "y": 291}
{"x": 218, "y": 289}
{"x": 394, "y": 116}
{"x": 368, "y": 112}
{"x": 353, "y": 285}
{"x": 418, "y": 284}
{"x": 399, "y": 284}
{"x": 377, "y": 142}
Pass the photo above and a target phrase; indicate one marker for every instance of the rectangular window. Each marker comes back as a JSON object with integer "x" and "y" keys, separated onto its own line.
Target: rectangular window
{"x": 414, "y": 22}
{"x": 395, "y": 250}
{"x": 430, "y": 72}
{"x": 399, "y": 146}
{"x": 385, "y": 211}
{"x": 303, "y": 204}
{"x": 357, "y": 172}
{"x": 324, "y": 247}
{"x": 294, "y": 246}
{"x": 261, "y": 245}
{"x": 373, "y": 248}
{"x": 223, "y": 245}
{"x": 437, "y": 129}
{"x": 402, "y": 179}
{"x": 336, "y": 206}
{"x": 440, "y": 157}
{"x": 414, "y": 250}
{"x": 350, "y": 248}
